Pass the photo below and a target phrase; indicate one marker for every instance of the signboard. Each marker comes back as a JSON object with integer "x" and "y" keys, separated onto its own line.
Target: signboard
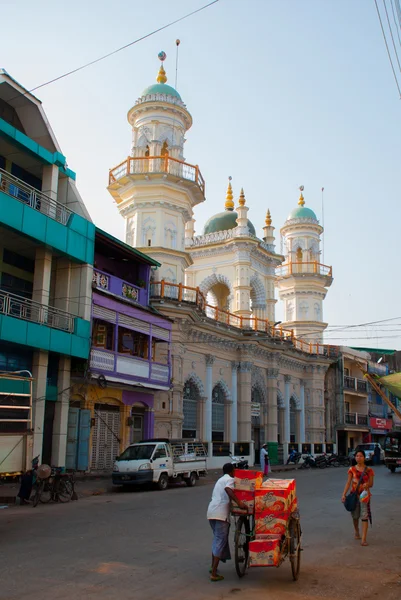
{"x": 255, "y": 409}
{"x": 382, "y": 424}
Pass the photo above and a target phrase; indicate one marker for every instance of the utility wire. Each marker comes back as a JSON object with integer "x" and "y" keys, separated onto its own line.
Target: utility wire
{"x": 391, "y": 33}
{"x": 395, "y": 21}
{"x": 388, "y": 51}
{"x": 144, "y": 37}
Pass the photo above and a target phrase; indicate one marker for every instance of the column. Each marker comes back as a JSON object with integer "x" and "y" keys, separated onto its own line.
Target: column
{"x": 42, "y": 276}
{"x": 50, "y": 181}
{"x": 60, "y": 423}
{"x": 201, "y": 418}
{"x": 209, "y": 358}
{"x": 287, "y": 395}
{"x": 244, "y": 402}
{"x": 149, "y": 423}
{"x": 302, "y": 439}
{"x": 62, "y": 287}
{"x": 272, "y": 416}
{"x": 234, "y": 406}
{"x": 39, "y": 373}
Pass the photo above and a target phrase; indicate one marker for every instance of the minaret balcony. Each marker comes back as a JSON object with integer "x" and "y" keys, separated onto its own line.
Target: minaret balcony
{"x": 135, "y": 168}
{"x": 294, "y": 269}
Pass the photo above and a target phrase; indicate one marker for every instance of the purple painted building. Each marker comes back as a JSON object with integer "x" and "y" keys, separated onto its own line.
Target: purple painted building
{"x": 130, "y": 355}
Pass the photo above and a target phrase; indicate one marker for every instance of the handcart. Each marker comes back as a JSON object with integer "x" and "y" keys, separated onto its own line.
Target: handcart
{"x": 289, "y": 545}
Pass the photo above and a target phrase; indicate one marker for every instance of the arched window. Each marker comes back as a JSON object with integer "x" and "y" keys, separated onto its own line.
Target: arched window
{"x": 190, "y": 409}
{"x": 299, "y": 254}
{"x": 257, "y": 400}
{"x": 218, "y": 398}
{"x": 164, "y": 151}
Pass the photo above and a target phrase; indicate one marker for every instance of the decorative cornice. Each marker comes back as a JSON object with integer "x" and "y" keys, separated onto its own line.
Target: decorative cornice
{"x": 245, "y": 366}
{"x": 209, "y": 360}
{"x": 234, "y": 365}
{"x": 287, "y": 378}
{"x": 272, "y": 373}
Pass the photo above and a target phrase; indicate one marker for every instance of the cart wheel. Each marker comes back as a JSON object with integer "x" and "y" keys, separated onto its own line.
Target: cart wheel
{"x": 295, "y": 547}
{"x": 241, "y": 541}
{"x": 38, "y": 488}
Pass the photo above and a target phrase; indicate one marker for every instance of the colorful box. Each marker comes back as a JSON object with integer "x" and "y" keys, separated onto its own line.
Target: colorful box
{"x": 269, "y": 536}
{"x": 247, "y": 480}
{"x": 264, "y": 553}
{"x": 248, "y": 498}
{"x": 276, "y": 501}
{"x": 273, "y": 523}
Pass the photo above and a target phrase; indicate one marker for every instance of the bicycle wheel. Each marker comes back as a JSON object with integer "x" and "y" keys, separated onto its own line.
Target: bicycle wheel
{"x": 38, "y": 488}
{"x": 64, "y": 490}
{"x": 46, "y": 494}
{"x": 295, "y": 547}
{"x": 241, "y": 541}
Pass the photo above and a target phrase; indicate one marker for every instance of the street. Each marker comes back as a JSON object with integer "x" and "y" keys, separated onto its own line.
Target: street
{"x": 156, "y": 545}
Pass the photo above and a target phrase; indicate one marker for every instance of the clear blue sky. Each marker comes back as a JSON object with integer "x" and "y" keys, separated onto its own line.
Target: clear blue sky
{"x": 282, "y": 92}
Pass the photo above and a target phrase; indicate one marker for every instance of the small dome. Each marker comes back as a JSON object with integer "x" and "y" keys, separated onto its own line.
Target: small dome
{"x": 224, "y": 221}
{"x": 302, "y": 212}
{"x": 161, "y": 88}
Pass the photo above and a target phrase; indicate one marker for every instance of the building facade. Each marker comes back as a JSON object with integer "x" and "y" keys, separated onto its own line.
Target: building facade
{"x": 239, "y": 379}
{"x": 46, "y": 263}
{"x": 113, "y": 398}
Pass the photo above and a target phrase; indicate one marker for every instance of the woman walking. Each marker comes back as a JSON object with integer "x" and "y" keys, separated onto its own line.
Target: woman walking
{"x": 360, "y": 478}
{"x": 264, "y": 460}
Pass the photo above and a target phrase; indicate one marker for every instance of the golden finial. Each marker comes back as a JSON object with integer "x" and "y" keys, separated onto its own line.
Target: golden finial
{"x": 301, "y": 200}
{"x": 241, "y": 200}
{"x": 268, "y": 219}
{"x": 161, "y": 76}
{"x": 229, "y": 205}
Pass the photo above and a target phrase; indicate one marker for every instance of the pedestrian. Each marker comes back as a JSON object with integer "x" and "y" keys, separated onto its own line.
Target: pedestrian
{"x": 377, "y": 455}
{"x": 218, "y": 514}
{"x": 264, "y": 460}
{"x": 360, "y": 478}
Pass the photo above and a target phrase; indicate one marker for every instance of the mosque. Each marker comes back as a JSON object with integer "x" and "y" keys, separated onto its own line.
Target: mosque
{"x": 240, "y": 378}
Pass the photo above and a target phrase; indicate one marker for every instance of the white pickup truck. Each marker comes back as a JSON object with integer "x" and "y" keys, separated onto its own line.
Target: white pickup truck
{"x": 160, "y": 461}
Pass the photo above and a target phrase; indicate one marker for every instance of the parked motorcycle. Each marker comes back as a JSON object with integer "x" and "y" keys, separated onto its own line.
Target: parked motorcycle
{"x": 321, "y": 461}
{"x": 294, "y": 457}
{"x": 239, "y": 462}
{"x": 332, "y": 460}
{"x": 308, "y": 462}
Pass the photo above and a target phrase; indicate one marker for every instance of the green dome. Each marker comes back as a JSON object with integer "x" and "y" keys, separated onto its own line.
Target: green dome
{"x": 302, "y": 212}
{"x": 161, "y": 88}
{"x": 224, "y": 221}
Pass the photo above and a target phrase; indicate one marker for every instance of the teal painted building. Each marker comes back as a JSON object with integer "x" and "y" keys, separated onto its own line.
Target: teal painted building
{"x": 46, "y": 267}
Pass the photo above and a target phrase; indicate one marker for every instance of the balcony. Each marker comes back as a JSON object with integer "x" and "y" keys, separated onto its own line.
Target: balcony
{"x": 356, "y": 419}
{"x": 121, "y": 366}
{"x": 378, "y": 410}
{"x": 21, "y": 191}
{"x": 304, "y": 268}
{"x": 352, "y": 384}
{"x": 28, "y": 310}
{"x": 150, "y": 166}
{"x": 118, "y": 287}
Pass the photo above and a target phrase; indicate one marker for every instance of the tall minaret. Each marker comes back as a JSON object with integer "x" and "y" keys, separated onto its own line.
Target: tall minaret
{"x": 155, "y": 189}
{"x": 302, "y": 280}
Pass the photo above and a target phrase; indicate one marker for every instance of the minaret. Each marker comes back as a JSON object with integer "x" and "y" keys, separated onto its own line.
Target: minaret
{"x": 155, "y": 189}
{"x": 302, "y": 280}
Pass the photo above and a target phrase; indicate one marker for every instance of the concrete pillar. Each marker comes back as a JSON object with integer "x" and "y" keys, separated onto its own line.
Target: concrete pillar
{"x": 63, "y": 284}
{"x": 80, "y": 296}
{"x": 234, "y": 398}
{"x": 50, "y": 181}
{"x": 201, "y": 429}
{"x": 287, "y": 395}
{"x": 60, "y": 423}
{"x": 272, "y": 415}
{"x": 39, "y": 373}
{"x": 209, "y": 358}
{"x": 244, "y": 402}
{"x": 227, "y": 419}
{"x": 302, "y": 413}
{"x": 149, "y": 423}
{"x": 42, "y": 276}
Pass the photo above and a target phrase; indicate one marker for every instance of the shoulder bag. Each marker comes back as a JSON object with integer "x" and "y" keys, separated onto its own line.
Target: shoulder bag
{"x": 351, "y": 500}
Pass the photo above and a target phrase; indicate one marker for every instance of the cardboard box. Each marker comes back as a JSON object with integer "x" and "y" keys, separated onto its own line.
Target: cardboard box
{"x": 268, "y": 536}
{"x": 276, "y": 501}
{"x": 247, "y": 480}
{"x": 264, "y": 553}
{"x": 287, "y": 486}
{"x": 273, "y": 523}
{"x": 248, "y": 498}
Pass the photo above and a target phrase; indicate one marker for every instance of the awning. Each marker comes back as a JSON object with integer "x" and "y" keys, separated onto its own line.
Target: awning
{"x": 392, "y": 383}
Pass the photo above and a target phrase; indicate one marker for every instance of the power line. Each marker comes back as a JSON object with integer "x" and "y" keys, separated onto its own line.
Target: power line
{"x": 388, "y": 51}
{"x": 395, "y": 21}
{"x": 391, "y": 33}
{"x": 144, "y": 37}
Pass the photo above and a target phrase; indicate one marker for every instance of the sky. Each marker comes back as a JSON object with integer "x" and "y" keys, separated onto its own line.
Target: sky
{"x": 283, "y": 93}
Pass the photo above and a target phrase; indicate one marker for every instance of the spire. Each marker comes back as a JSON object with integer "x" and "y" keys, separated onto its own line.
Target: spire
{"x": 268, "y": 219}
{"x": 241, "y": 200}
{"x": 161, "y": 76}
{"x": 301, "y": 200}
{"x": 229, "y": 205}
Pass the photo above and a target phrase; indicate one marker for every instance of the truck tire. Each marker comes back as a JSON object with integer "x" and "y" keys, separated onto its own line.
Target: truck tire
{"x": 162, "y": 484}
{"x": 191, "y": 480}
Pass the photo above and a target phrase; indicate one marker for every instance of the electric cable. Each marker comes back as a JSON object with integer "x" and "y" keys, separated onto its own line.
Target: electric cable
{"x": 391, "y": 33}
{"x": 395, "y": 21}
{"x": 388, "y": 50}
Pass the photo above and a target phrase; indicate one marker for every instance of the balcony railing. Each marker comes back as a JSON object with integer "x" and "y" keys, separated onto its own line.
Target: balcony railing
{"x": 378, "y": 410}
{"x": 304, "y": 268}
{"x": 119, "y": 287}
{"x": 28, "y": 310}
{"x": 356, "y": 419}
{"x": 355, "y": 385}
{"x": 14, "y": 187}
{"x": 144, "y": 165}
{"x": 189, "y": 295}
{"x": 128, "y": 366}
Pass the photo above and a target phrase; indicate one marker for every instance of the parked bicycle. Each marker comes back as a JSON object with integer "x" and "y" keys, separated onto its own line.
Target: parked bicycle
{"x": 52, "y": 484}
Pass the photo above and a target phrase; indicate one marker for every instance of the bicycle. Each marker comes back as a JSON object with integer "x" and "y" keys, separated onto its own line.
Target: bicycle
{"x": 59, "y": 487}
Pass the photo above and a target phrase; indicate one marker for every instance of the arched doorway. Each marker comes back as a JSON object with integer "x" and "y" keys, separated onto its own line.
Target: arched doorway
{"x": 218, "y": 421}
{"x": 190, "y": 410}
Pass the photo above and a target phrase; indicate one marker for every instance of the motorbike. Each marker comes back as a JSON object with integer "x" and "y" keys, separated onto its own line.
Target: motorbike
{"x": 332, "y": 460}
{"x": 309, "y": 462}
{"x": 321, "y": 461}
{"x": 239, "y": 462}
{"x": 294, "y": 457}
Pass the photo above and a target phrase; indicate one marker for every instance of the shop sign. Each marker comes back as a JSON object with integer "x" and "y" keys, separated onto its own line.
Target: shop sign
{"x": 255, "y": 409}
{"x": 382, "y": 424}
